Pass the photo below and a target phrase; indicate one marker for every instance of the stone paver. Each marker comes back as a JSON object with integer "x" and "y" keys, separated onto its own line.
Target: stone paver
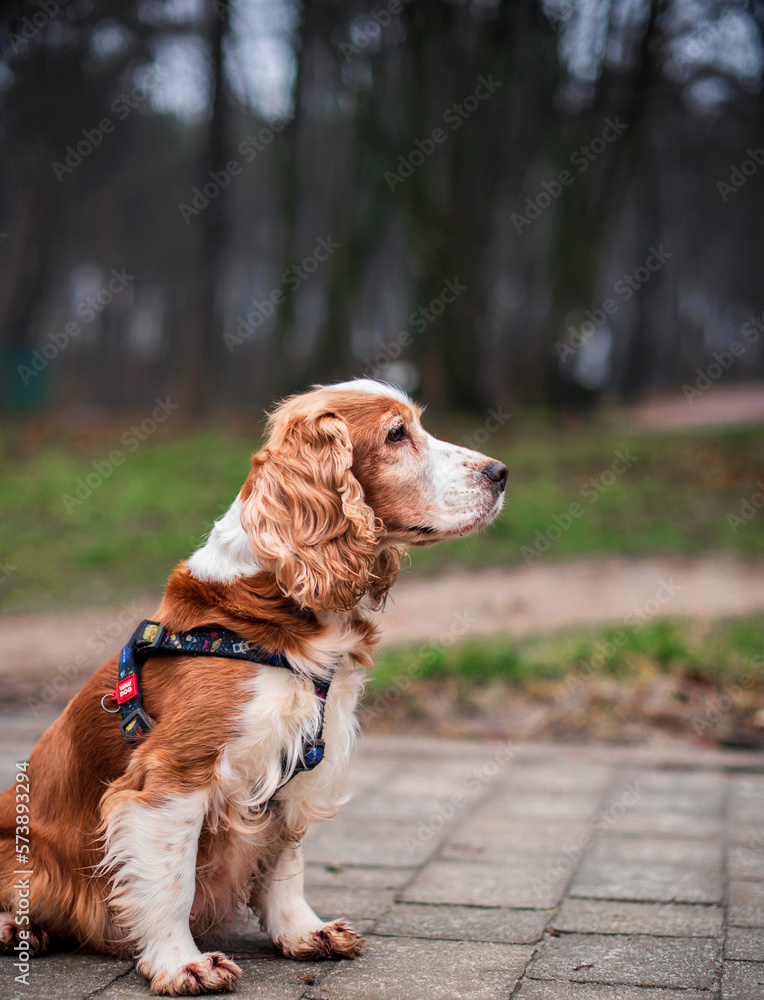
{"x": 518, "y": 883}
{"x": 263, "y": 978}
{"x": 566, "y": 873}
{"x": 746, "y": 907}
{"x": 60, "y": 976}
{"x": 743, "y": 981}
{"x": 601, "y": 916}
{"x": 745, "y": 944}
{"x": 707, "y": 854}
{"x": 489, "y": 838}
{"x": 356, "y": 841}
{"x": 464, "y": 923}
{"x": 747, "y": 862}
{"x": 412, "y": 969}
{"x": 670, "y": 824}
{"x": 539, "y": 990}
{"x": 660, "y": 883}
{"x": 358, "y": 903}
{"x": 629, "y": 959}
{"x": 354, "y": 877}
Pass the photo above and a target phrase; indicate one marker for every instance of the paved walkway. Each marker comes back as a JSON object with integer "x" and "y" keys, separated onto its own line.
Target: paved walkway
{"x": 480, "y": 871}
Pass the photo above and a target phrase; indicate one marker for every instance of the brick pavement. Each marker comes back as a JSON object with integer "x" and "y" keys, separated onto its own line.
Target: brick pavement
{"x": 478, "y": 871}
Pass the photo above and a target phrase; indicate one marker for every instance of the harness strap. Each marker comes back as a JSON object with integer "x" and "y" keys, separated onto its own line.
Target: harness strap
{"x": 151, "y": 638}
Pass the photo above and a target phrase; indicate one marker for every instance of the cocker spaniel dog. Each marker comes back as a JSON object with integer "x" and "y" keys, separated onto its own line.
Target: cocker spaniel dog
{"x": 145, "y": 835}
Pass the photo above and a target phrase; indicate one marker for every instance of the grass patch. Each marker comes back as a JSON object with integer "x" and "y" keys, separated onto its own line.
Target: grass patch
{"x": 672, "y": 680}
{"x": 725, "y": 654}
{"x": 157, "y": 506}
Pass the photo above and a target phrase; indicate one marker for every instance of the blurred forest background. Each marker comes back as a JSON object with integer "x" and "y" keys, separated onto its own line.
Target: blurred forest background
{"x": 488, "y": 200}
{"x": 541, "y": 217}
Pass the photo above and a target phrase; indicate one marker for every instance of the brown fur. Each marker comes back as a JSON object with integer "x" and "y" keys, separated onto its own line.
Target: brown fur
{"x": 327, "y": 520}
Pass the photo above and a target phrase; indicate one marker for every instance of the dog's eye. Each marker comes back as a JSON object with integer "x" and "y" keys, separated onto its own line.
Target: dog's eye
{"x": 396, "y": 434}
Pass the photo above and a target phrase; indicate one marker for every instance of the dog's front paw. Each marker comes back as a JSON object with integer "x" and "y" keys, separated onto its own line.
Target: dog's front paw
{"x": 11, "y": 935}
{"x": 210, "y": 973}
{"x": 335, "y": 940}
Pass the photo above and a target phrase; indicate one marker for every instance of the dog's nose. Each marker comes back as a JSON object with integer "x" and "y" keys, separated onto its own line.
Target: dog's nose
{"x": 497, "y": 473}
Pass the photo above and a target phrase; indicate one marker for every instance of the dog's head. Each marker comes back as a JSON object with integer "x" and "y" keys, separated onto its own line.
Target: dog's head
{"x": 349, "y": 478}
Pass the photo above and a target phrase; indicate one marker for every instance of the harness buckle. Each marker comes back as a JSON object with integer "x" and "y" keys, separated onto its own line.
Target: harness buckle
{"x": 135, "y": 725}
{"x": 151, "y": 637}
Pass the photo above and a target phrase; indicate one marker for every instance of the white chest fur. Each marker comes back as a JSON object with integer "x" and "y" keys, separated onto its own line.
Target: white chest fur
{"x": 282, "y": 712}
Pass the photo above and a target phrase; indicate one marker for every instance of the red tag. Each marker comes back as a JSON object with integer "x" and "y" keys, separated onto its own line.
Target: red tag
{"x": 127, "y": 689}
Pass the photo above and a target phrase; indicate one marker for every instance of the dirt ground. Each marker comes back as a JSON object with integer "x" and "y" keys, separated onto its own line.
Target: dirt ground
{"x": 45, "y": 659}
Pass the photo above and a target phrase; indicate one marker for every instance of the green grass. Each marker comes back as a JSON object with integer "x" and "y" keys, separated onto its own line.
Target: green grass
{"x": 728, "y": 654}
{"x": 156, "y": 506}
{"x": 674, "y": 498}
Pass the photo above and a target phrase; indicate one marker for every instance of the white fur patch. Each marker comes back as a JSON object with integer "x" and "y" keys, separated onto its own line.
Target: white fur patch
{"x": 372, "y": 386}
{"x": 282, "y": 712}
{"x": 334, "y": 638}
{"x": 284, "y": 913}
{"x": 227, "y": 553}
{"x": 311, "y": 796}
{"x": 459, "y": 490}
{"x": 316, "y": 795}
{"x": 281, "y": 709}
{"x": 151, "y": 853}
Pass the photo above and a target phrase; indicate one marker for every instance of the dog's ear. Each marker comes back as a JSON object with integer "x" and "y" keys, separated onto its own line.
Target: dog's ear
{"x": 305, "y": 515}
{"x": 384, "y": 572}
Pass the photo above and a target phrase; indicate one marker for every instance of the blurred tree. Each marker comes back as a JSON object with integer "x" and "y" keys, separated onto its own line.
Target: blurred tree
{"x": 427, "y": 141}
{"x": 203, "y": 315}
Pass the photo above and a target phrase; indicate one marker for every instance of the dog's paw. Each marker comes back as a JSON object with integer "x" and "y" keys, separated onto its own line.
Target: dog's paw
{"x": 11, "y": 935}
{"x": 335, "y": 940}
{"x": 210, "y": 973}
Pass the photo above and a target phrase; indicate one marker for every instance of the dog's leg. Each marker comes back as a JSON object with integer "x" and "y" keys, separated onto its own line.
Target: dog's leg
{"x": 289, "y": 921}
{"x": 11, "y": 934}
{"x": 151, "y": 849}
{"x": 26, "y": 929}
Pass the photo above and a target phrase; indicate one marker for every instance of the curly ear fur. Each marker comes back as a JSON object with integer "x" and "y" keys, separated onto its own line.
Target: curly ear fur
{"x": 306, "y": 517}
{"x": 384, "y": 572}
